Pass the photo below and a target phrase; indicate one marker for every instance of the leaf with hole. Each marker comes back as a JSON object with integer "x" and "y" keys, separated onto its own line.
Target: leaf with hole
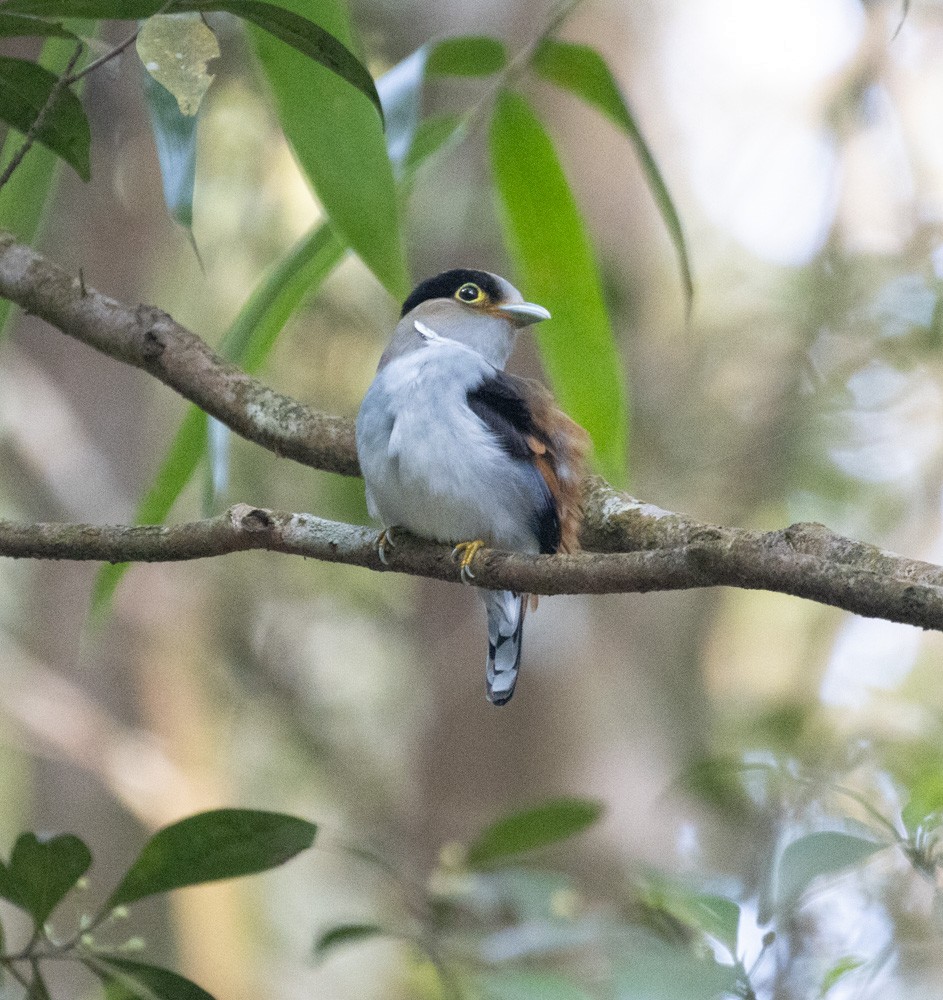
{"x": 25, "y": 90}
{"x": 557, "y": 268}
{"x": 541, "y": 826}
{"x": 302, "y": 34}
{"x": 222, "y": 844}
{"x": 175, "y": 50}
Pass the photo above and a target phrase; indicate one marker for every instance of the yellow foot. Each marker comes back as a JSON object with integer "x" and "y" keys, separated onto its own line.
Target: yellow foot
{"x": 465, "y": 552}
{"x": 384, "y": 542}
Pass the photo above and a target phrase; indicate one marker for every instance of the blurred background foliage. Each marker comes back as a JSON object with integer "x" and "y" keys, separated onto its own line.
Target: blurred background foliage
{"x": 771, "y": 771}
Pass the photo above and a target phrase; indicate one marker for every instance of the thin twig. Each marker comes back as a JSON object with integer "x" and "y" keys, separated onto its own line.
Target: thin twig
{"x": 117, "y": 50}
{"x": 40, "y": 120}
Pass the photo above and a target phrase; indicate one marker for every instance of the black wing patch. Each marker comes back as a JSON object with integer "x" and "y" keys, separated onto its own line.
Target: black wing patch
{"x": 498, "y": 402}
{"x": 446, "y": 284}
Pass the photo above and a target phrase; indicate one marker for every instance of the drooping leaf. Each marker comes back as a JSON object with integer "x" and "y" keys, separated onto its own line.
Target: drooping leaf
{"x": 583, "y": 71}
{"x": 127, "y": 980}
{"x": 12, "y": 25}
{"x": 175, "y": 138}
{"x": 815, "y": 855}
{"x": 175, "y": 50}
{"x": 41, "y": 872}
{"x": 338, "y": 141}
{"x": 25, "y": 89}
{"x": 467, "y": 55}
{"x": 545, "y": 824}
{"x": 222, "y": 844}
{"x": 23, "y": 199}
{"x": 293, "y": 28}
{"x": 344, "y": 934}
{"x": 557, "y": 268}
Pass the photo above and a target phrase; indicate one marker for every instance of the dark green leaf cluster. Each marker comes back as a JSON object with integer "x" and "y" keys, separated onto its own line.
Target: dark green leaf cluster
{"x": 222, "y": 844}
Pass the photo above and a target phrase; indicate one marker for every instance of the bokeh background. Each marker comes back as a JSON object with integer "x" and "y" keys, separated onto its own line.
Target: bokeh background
{"x": 802, "y": 143}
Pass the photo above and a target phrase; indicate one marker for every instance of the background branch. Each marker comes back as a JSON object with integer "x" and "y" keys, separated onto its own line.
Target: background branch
{"x": 632, "y": 546}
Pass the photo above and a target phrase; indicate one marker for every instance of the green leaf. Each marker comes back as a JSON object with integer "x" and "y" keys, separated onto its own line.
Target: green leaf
{"x": 344, "y": 934}
{"x": 557, "y": 267}
{"x": 294, "y": 29}
{"x": 647, "y": 968}
{"x": 512, "y": 985}
{"x": 434, "y": 133}
{"x": 469, "y": 55}
{"x": 12, "y": 25}
{"x": 250, "y": 339}
{"x": 23, "y": 199}
{"x": 136, "y": 981}
{"x": 817, "y": 854}
{"x": 175, "y": 139}
{"x": 525, "y": 831}
{"x": 926, "y": 801}
{"x": 838, "y": 971}
{"x": 339, "y": 143}
{"x": 307, "y": 37}
{"x": 224, "y": 843}
{"x": 41, "y": 872}
{"x": 583, "y": 71}
{"x": 25, "y": 89}
{"x": 713, "y": 915}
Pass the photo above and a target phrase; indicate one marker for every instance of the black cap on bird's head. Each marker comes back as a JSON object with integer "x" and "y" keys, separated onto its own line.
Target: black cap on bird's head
{"x": 476, "y": 308}
{"x": 480, "y": 290}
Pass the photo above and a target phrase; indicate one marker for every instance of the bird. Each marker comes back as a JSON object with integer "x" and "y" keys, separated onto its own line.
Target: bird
{"x": 454, "y": 449}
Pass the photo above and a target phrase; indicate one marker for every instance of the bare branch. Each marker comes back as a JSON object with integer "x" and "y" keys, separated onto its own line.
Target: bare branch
{"x": 632, "y": 546}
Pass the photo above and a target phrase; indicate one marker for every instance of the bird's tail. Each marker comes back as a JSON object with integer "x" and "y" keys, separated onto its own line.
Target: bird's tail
{"x": 505, "y": 627}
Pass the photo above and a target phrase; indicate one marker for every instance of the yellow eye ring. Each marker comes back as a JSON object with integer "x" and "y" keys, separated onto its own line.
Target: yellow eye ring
{"x": 470, "y": 293}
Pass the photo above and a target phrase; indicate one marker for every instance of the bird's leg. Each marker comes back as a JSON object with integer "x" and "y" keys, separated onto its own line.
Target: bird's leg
{"x": 385, "y": 541}
{"x": 465, "y": 552}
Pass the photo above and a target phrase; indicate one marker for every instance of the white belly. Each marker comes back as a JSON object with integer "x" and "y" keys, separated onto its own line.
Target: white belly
{"x": 432, "y": 466}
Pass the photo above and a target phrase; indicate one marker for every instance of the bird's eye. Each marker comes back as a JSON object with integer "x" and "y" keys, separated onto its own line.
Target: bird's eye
{"x": 470, "y": 293}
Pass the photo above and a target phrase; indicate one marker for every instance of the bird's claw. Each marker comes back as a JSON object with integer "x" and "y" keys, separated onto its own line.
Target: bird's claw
{"x": 385, "y": 541}
{"x": 465, "y": 552}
